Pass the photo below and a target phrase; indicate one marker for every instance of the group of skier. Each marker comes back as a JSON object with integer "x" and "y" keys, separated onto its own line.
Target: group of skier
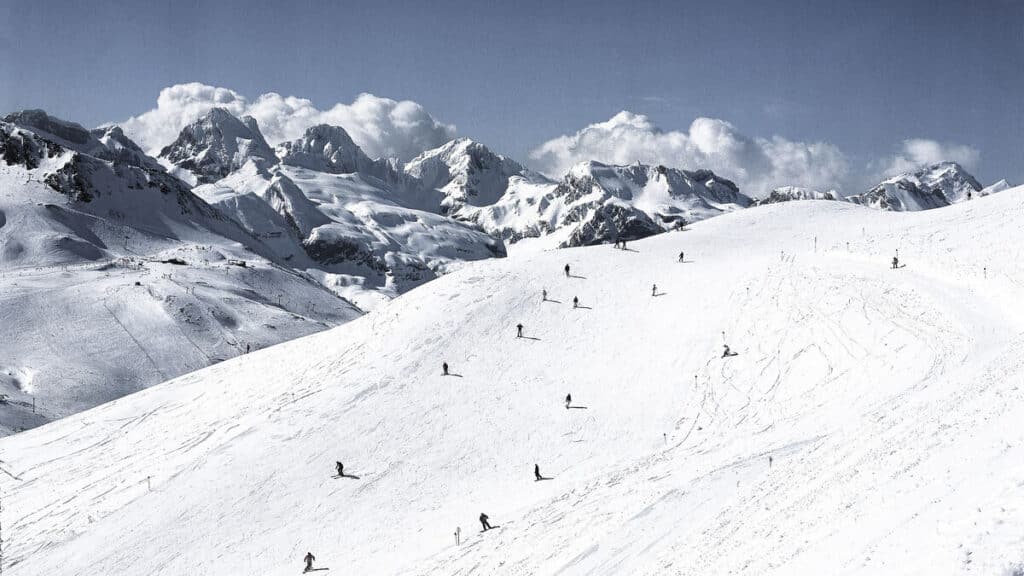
{"x": 484, "y": 519}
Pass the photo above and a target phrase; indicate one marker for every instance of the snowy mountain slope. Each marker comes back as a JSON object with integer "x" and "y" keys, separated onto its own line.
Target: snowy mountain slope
{"x": 603, "y": 202}
{"x": 995, "y": 188}
{"x": 115, "y": 277}
{"x": 933, "y": 186}
{"x": 592, "y": 204}
{"x": 791, "y": 193}
{"x": 467, "y": 173}
{"x": 349, "y": 230}
{"x": 869, "y": 424}
{"x": 211, "y": 147}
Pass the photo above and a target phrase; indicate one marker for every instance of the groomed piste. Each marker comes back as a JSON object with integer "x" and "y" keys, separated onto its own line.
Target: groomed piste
{"x": 869, "y": 423}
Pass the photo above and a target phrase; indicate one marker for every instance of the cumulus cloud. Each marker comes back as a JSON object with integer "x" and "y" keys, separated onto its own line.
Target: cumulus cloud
{"x": 757, "y": 164}
{"x": 919, "y": 152}
{"x": 380, "y": 126}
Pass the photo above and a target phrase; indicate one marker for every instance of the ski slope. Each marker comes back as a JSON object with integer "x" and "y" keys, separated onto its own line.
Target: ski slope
{"x": 889, "y": 402}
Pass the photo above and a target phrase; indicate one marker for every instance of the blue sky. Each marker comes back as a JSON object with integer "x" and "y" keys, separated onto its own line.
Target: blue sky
{"x": 862, "y": 76}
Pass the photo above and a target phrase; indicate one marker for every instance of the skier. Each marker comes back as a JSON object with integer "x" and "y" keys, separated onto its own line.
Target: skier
{"x": 654, "y": 290}
{"x": 616, "y": 243}
{"x": 727, "y": 352}
{"x": 566, "y": 270}
{"x": 681, "y": 255}
{"x": 536, "y": 473}
{"x": 544, "y": 295}
{"x": 770, "y": 459}
{"x": 895, "y": 262}
{"x": 623, "y": 244}
{"x": 484, "y": 520}
{"x": 309, "y": 561}
{"x": 519, "y": 330}
{"x": 458, "y": 534}
{"x": 568, "y": 400}
{"x": 575, "y": 302}
{"x": 247, "y": 348}
{"x": 340, "y": 467}
{"x": 444, "y": 366}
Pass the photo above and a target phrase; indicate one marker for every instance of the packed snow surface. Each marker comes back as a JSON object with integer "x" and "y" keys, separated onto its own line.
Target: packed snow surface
{"x": 870, "y": 423}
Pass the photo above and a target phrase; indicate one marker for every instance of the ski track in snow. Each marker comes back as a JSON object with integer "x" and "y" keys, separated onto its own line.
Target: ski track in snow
{"x": 888, "y": 400}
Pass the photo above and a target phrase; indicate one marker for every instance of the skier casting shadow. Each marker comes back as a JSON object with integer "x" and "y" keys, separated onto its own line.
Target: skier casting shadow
{"x": 484, "y": 521}
{"x": 445, "y": 372}
{"x": 341, "y": 471}
{"x": 568, "y": 403}
{"x": 727, "y": 352}
{"x": 536, "y": 474}
{"x": 309, "y": 563}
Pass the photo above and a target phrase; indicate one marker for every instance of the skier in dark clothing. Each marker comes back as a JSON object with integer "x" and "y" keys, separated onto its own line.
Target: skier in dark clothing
{"x": 568, "y": 400}
{"x": 340, "y": 467}
{"x": 567, "y": 270}
{"x": 681, "y": 256}
{"x": 543, "y": 295}
{"x": 519, "y": 330}
{"x": 727, "y": 351}
{"x": 536, "y": 473}
{"x": 484, "y": 521}
{"x": 444, "y": 367}
{"x": 575, "y": 302}
{"x": 654, "y": 290}
{"x": 309, "y": 561}
{"x": 895, "y": 262}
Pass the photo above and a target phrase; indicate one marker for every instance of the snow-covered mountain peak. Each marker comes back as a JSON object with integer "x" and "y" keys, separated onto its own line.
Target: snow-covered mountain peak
{"x": 325, "y": 148}
{"x": 791, "y": 193}
{"x": 466, "y": 172}
{"x": 68, "y": 134}
{"x": 933, "y": 186}
{"x": 211, "y": 147}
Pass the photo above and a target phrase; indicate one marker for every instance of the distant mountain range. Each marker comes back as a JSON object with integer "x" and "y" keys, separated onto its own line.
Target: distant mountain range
{"x": 225, "y": 242}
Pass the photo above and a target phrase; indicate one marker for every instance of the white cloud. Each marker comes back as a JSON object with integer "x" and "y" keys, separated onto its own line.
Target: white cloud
{"x": 756, "y": 164}
{"x": 919, "y": 152}
{"x": 381, "y": 126}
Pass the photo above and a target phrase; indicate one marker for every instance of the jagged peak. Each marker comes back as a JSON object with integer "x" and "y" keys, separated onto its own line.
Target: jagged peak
{"x": 217, "y": 143}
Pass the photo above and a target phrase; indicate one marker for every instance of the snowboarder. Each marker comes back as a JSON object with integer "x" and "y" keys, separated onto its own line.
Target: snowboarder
{"x": 654, "y": 290}
{"x": 341, "y": 469}
{"x": 536, "y": 473}
{"x": 309, "y": 561}
{"x": 681, "y": 256}
{"x": 484, "y": 521}
{"x": 566, "y": 270}
{"x": 895, "y": 262}
{"x": 568, "y": 400}
{"x": 519, "y": 330}
{"x": 543, "y": 295}
{"x": 444, "y": 367}
{"x": 575, "y": 302}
